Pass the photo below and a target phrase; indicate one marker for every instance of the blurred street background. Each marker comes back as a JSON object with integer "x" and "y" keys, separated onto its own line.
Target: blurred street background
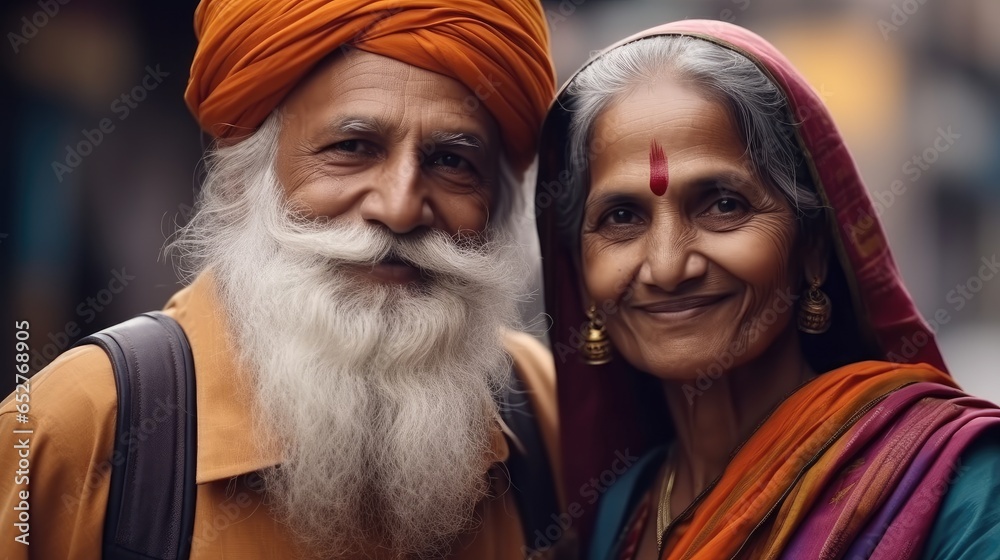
{"x": 99, "y": 155}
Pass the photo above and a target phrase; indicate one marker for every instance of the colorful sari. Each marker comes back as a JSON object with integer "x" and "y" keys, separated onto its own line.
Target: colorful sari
{"x": 855, "y": 463}
{"x": 852, "y": 465}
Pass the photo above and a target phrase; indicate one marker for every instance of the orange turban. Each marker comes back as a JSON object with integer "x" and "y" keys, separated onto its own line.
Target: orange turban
{"x": 251, "y": 53}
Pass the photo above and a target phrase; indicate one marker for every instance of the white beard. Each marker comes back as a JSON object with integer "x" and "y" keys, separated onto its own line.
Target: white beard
{"x": 382, "y": 397}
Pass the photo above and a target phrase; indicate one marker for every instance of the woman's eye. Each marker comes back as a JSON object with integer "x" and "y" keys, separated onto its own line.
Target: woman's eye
{"x": 621, "y": 216}
{"x": 726, "y": 205}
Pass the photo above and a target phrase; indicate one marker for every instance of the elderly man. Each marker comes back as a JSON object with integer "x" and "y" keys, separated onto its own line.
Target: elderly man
{"x": 353, "y": 291}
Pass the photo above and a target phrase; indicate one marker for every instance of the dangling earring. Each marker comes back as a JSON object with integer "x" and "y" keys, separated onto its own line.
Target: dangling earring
{"x": 815, "y": 310}
{"x": 596, "y": 349}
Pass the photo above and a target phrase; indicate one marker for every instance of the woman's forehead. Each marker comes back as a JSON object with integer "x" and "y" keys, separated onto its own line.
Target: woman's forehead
{"x": 685, "y": 126}
{"x": 674, "y": 114}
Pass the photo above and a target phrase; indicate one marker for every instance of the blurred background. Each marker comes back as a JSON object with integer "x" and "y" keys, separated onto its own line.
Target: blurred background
{"x": 99, "y": 156}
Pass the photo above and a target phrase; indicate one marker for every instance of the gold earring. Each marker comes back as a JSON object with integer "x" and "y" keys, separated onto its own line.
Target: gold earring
{"x": 815, "y": 310}
{"x": 596, "y": 349}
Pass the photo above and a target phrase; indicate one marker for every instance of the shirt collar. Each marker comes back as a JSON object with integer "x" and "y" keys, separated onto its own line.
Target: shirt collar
{"x": 227, "y": 442}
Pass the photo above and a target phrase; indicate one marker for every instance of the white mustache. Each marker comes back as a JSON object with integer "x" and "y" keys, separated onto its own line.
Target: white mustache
{"x": 468, "y": 258}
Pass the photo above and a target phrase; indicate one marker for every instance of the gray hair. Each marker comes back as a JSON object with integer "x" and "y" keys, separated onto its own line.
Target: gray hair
{"x": 758, "y": 106}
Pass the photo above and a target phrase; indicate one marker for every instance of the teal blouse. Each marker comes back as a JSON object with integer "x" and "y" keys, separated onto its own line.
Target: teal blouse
{"x": 967, "y": 526}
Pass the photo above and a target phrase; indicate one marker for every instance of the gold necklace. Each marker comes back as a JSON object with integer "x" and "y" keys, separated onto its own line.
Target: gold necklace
{"x": 663, "y": 509}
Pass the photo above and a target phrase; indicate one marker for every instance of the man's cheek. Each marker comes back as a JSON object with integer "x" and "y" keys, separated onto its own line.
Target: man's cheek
{"x": 468, "y": 212}
{"x": 315, "y": 199}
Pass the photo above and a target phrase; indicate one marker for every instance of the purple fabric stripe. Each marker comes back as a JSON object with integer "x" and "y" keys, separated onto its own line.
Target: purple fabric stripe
{"x": 938, "y": 430}
{"x": 930, "y": 452}
{"x": 868, "y": 437}
{"x": 906, "y": 535}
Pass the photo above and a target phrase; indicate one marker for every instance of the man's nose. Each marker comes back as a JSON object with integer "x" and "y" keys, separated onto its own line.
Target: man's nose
{"x": 398, "y": 197}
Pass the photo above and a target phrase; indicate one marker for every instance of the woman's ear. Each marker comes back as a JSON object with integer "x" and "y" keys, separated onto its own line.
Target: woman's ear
{"x": 581, "y": 284}
{"x": 585, "y": 300}
{"x": 816, "y": 256}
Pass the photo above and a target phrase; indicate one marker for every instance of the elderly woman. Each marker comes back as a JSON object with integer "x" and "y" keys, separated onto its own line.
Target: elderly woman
{"x": 729, "y": 323}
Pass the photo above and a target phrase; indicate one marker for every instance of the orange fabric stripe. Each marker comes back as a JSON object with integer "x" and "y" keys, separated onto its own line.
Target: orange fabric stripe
{"x": 772, "y": 459}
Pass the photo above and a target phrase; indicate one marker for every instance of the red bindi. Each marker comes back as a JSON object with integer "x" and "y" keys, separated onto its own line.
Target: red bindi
{"x": 658, "y": 176}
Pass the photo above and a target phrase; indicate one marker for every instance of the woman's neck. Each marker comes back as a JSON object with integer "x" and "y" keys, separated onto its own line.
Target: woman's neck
{"x": 710, "y": 422}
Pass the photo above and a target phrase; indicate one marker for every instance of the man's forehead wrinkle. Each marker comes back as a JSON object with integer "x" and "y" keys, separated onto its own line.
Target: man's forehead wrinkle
{"x": 446, "y": 121}
{"x": 391, "y": 116}
{"x": 361, "y": 95}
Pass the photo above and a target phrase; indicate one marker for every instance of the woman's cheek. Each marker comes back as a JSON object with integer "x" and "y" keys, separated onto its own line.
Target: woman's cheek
{"x": 759, "y": 254}
{"x": 607, "y": 271}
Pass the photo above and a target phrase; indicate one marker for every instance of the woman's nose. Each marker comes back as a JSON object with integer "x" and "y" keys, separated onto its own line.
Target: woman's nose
{"x": 671, "y": 258}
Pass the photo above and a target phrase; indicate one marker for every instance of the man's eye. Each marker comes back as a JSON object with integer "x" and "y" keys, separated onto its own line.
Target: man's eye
{"x": 450, "y": 161}
{"x": 354, "y": 148}
{"x": 350, "y": 146}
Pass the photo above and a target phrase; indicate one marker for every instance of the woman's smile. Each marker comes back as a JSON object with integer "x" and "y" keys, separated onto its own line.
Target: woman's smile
{"x": 681, "y": 308}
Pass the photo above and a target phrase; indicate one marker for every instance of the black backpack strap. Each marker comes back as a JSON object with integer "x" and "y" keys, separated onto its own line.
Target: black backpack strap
{"x": 150, "y": 511}
{"x": 528, "y": 465}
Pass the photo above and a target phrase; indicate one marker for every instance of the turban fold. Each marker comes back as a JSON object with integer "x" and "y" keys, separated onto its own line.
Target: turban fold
{"x": 252, "y": 53}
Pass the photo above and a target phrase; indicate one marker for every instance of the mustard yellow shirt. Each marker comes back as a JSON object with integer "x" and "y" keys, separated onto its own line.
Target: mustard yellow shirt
{"x": 72, "y": 419}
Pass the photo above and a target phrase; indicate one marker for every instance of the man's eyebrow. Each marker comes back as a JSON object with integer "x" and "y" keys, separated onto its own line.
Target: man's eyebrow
{"x": 366, "y": 125}
{"x": 372, "y": 125}
{"x": 464, "y": 139}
